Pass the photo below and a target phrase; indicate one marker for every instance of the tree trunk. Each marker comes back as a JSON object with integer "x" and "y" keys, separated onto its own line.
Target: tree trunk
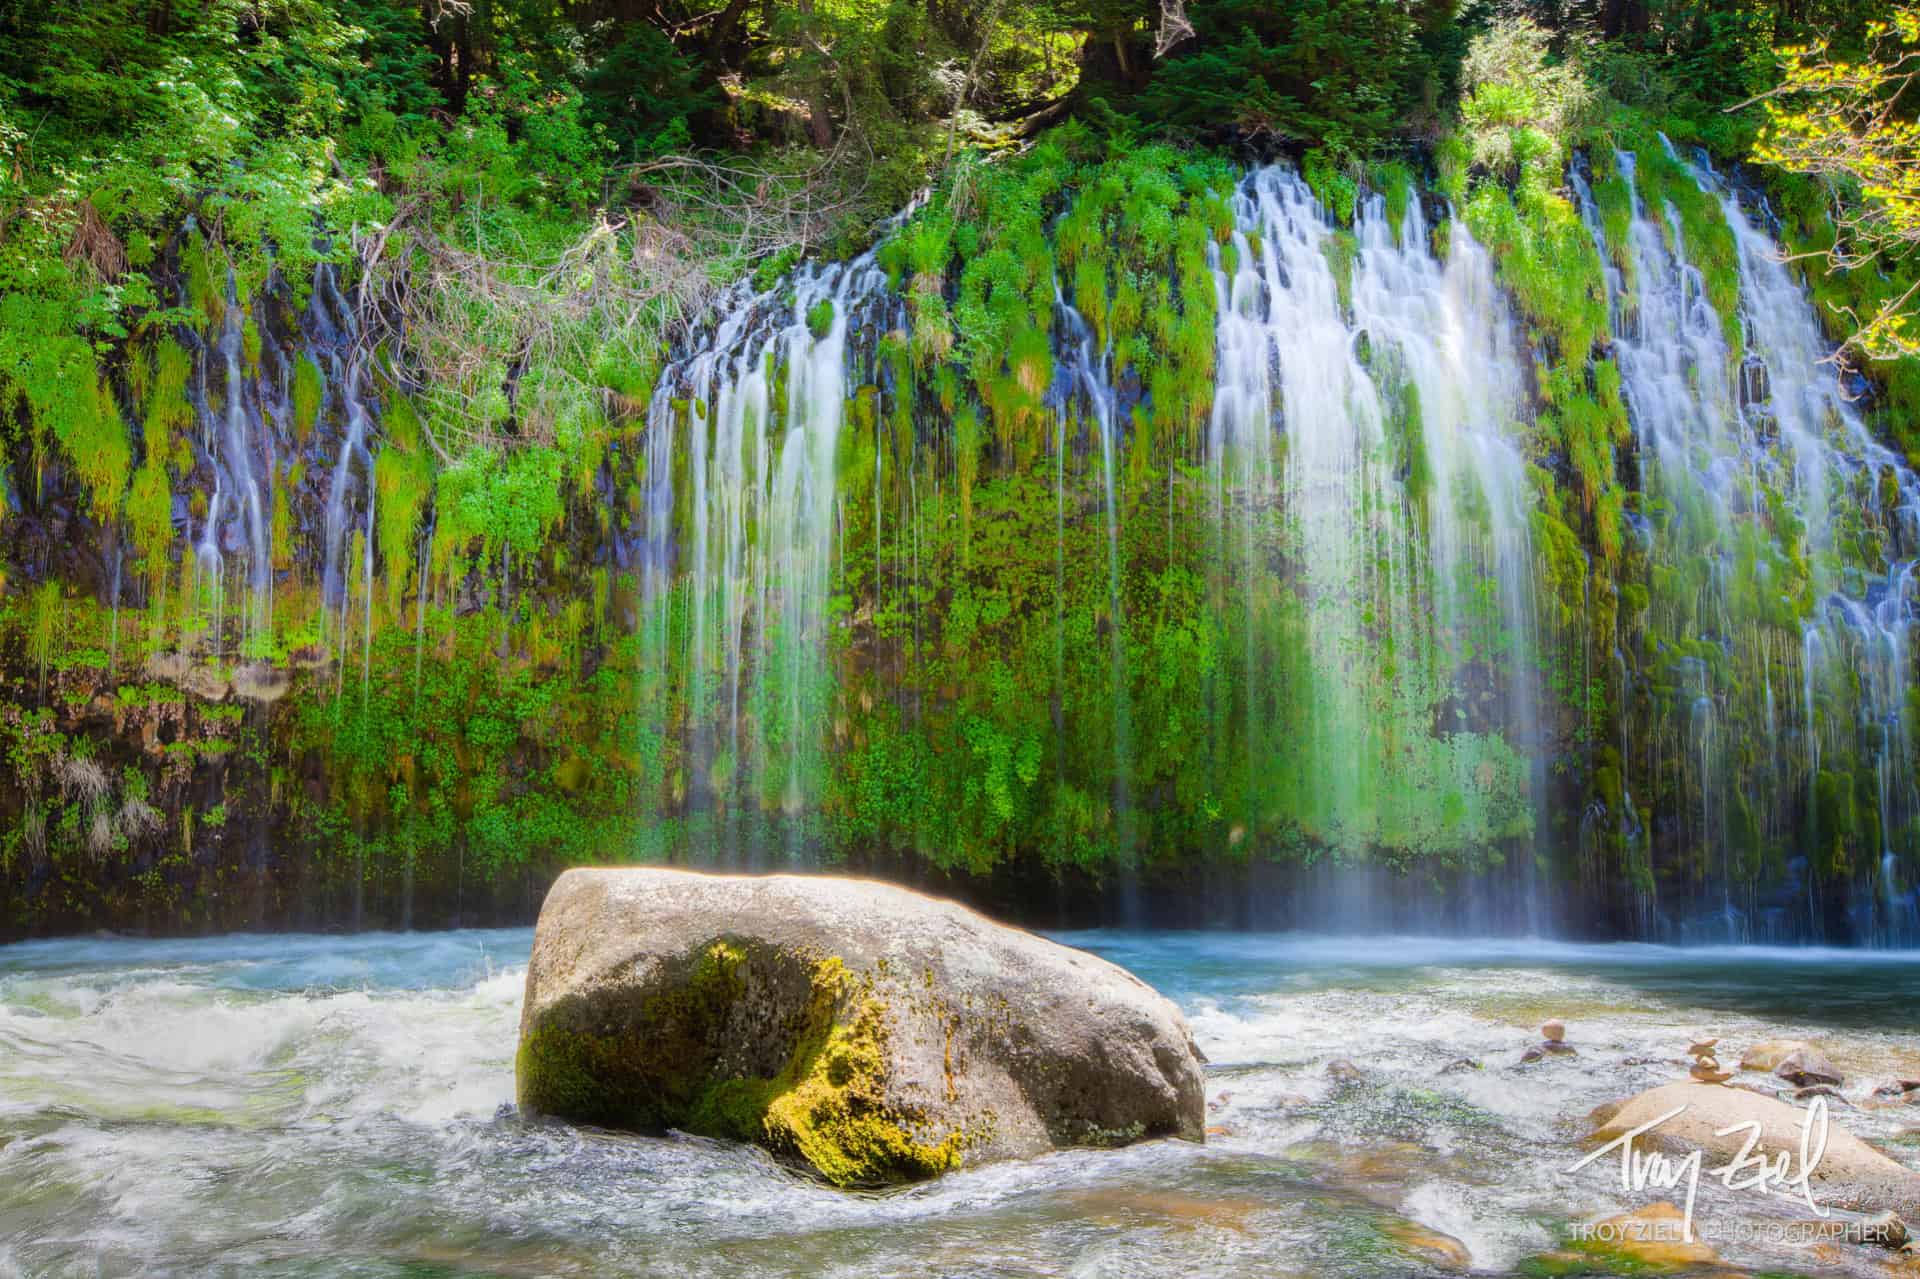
{"x": 819, "y": 123}
{"x": 1623, "y": 17}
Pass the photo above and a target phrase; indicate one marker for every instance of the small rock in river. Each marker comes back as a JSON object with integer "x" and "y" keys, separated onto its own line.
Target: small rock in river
{"x": 1805, "y": 1067}
{"x": 1442, "y": 1249}
{"x": 1885, "y": 1229}
{"x": 1652, "y": 1238}
{"x": 1898, "y": 1088}
{"x": 1816, "y": 1090}
{"x": 1459, "y": 1064}
{"x": 1770, "y": 1053}
{"x": 1342, "y": 1071}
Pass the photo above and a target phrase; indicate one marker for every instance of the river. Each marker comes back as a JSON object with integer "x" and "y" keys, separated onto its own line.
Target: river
{"x": 342, "y": 1106}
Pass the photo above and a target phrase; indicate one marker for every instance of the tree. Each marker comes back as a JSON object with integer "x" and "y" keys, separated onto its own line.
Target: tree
{"x": 1851, "y": 122}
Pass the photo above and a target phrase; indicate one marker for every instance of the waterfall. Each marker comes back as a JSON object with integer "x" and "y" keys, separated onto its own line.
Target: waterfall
{"x": 331, "y": 322}
{"x": 1756, "y": 467}
{"x": 1365, "y": 484}
{"x": 1083, "y": 375}
{"x": 239, "y": 452}
{"x": 759, "y": 406}
{"x": 1374, "y": 391}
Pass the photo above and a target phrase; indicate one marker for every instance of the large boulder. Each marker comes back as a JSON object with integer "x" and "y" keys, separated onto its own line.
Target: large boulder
{"x": 869, "y": 1032}
{"x": 1850, "y": 1174}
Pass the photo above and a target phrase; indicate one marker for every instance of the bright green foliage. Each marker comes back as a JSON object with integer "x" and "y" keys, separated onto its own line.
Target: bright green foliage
{"x": 1332, "y": 184}
{"x": 1842, "y": 119}
{"x": 489, "y": 502}
{"x": 403, "y": 478}
{"x": 168, "y": 411}
{"x": 1704, "y": 237}
{"x": 150, "y": 514}
{"x": 820, "y": 317}
{"x": 306, "y": 397}
{"x": 1518, "y": 106}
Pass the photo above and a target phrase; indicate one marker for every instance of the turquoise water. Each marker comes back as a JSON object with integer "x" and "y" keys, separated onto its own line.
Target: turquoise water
{"x": 341, "y": 1106}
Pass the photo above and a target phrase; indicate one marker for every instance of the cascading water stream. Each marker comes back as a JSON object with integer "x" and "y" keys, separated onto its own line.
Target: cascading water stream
{"x": 331, "y": 319}
{"x": 757, "y": 546}
{"x": 239, "y": 452}
{"x": 1365, "y": 466}
{"x": 1084, "y": 376}
{"x": 1766, "y": 447}
{"x": 1401, "y": 493}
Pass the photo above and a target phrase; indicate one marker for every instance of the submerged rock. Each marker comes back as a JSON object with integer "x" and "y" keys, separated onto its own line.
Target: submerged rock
{"x": 1344, "y": 1072}
{"x": 1849, "y": 1174}
{"x": 868, "y": 1032}
{"x": 1649, "y": 1239}
{"x": 1430, "y": 1245}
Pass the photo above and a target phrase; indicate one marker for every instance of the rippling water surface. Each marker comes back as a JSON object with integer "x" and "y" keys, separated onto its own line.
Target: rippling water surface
{"x": 295, "y": 1105}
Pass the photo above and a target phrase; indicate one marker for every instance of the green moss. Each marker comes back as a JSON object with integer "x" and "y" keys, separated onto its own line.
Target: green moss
{"x": 1613, "y": 199}
{"x": 828, "y": 1106}
{"x": 1705, "y": 239}
{"x": 306, "y": 398}
{"x": 825, "y": 1105}
{"x": 1332, "y": 182}
{"x": 1546, "y": 257}
{"x": 167, "y": 409}
{"x": 1342, "y": 251}
{"x": 88, "y": 426}
{"x": 150, "y": 514}
{"x": 1393, "y": 180}
{"x": 206, "y": 290}
{"x": 820, "y": 318}
{"x": 403, "y": 479}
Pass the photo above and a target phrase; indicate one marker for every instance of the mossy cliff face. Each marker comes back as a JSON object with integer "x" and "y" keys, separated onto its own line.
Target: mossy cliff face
{"x": 992, "y": 557}
{"x": 662, "y": 999}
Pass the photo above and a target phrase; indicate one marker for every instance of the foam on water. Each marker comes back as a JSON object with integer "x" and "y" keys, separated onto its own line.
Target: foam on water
{"x": 334, "y": 1106}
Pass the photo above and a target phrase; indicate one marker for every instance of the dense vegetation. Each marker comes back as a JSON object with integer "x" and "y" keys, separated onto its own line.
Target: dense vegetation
{"x": 488, "y": 227}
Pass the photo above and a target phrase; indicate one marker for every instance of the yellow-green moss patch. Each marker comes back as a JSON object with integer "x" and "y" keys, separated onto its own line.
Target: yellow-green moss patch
{"x": 668, "y": 1060}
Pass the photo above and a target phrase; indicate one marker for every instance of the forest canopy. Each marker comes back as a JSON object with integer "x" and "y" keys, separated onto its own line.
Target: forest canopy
{"x": 543, "y": 186}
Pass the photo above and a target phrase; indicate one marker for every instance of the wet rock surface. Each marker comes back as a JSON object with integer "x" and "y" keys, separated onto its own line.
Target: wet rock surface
{"x": 1685, "y": 1117}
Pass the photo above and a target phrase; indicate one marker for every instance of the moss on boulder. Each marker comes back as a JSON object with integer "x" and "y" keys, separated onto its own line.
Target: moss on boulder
{"x": 861, "y": 1031}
